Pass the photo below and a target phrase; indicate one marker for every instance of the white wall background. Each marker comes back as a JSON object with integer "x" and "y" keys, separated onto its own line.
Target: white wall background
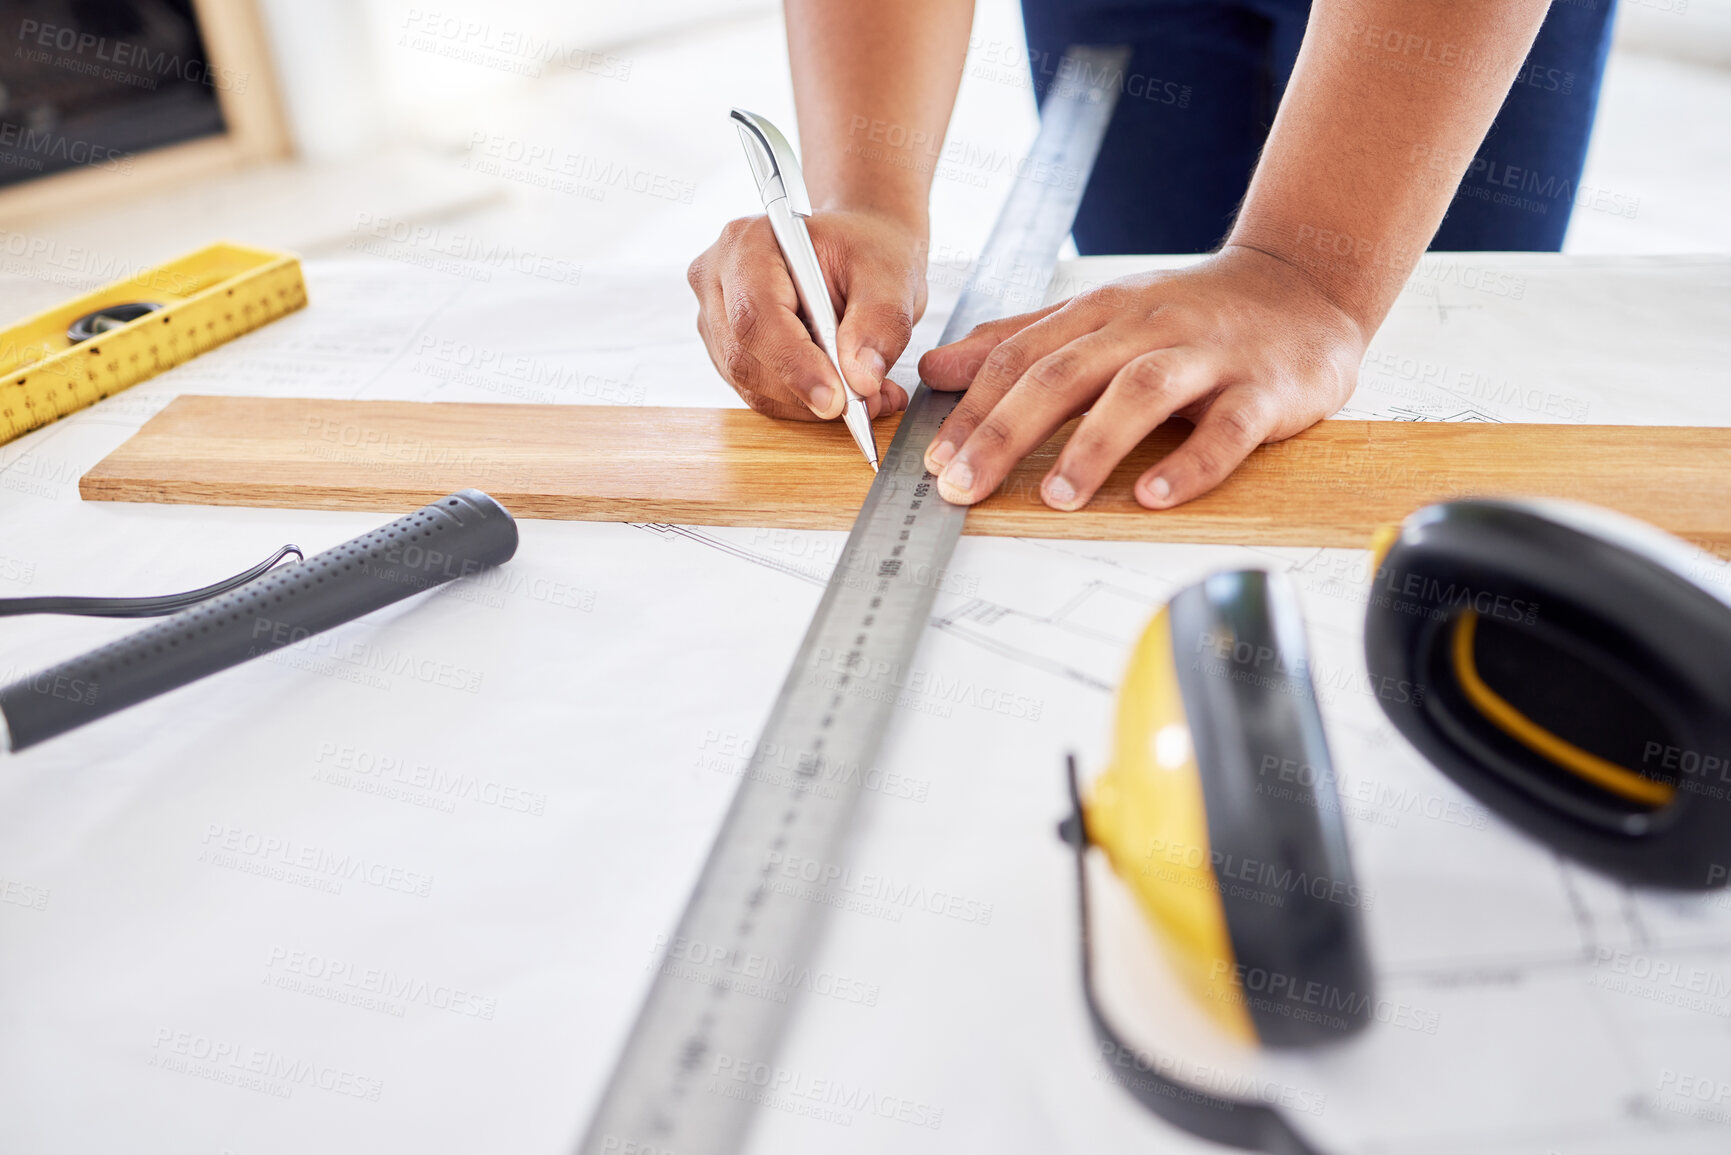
{"x": 460, "y": 76}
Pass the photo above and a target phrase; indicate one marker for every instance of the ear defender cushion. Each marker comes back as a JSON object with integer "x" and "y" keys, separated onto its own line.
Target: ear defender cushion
{"x": 1244, "y": 872}
{"x": 1568, "y": 678}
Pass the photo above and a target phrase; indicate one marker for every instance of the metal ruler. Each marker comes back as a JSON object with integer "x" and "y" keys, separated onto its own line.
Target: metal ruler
{"x": 199, "y": 301}
{"x": 738, "y": 959}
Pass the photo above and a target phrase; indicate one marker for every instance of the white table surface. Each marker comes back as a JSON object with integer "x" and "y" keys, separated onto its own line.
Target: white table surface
{"x": 508, "y": 785}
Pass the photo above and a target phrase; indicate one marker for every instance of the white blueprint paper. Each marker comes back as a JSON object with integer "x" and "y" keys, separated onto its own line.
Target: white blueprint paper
{"x": 401, "y": 889}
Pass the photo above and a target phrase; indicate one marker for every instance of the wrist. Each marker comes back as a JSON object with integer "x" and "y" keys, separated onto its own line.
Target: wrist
{"x": 908, "y": 214}
{"x": 868, "y": 184}
{"x": 1359, "y": 275}
{"x": 1293, "y": 280}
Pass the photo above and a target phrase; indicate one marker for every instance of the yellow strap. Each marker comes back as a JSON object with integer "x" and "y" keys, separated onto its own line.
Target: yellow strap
{"x": 1608, "y": 775}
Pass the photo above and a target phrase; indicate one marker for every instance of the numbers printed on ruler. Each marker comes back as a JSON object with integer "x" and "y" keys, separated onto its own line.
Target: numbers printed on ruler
{"x": 738, "y": 955}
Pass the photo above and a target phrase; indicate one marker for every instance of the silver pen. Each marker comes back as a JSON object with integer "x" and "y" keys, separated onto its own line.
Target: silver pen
{"x": 787, "y": 205}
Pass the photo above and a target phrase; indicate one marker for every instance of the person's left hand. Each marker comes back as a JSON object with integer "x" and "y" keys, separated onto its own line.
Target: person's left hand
{"x": 1243, "y": 344}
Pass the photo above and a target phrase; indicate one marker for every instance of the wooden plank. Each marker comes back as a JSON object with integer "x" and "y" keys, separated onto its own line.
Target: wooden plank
{"x": 1330, "y": 486}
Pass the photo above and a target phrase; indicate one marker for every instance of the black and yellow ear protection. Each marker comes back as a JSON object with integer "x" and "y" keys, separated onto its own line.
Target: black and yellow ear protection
{"x": 1577, "y": 679}
{"x": 1574, "y": 675}
{"x": 1251, "y": 888}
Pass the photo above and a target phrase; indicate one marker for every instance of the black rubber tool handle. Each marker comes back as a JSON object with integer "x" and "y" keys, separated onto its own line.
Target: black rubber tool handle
{"x": 451, "y": 538}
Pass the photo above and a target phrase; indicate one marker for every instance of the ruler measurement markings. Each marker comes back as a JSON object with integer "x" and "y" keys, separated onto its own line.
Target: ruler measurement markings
{"x": 236, "y": 291}
{"x": 865, "y": 631}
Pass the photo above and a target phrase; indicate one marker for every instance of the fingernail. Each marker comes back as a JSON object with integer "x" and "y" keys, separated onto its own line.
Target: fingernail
{"x": 939, "y": 456}
{"x": 957, "y": 481}
{"x": 1160, "y": 490}
{"x": 872, "y": 362}
{"x": 821, "y": 399}
{"x": 1060, "y": 492}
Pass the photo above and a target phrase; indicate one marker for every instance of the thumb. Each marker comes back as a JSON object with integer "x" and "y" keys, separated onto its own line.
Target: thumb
{"x": 876, "y": 323}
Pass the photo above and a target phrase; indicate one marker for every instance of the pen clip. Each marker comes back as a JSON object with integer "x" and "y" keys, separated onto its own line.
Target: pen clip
{"x": 773, "y": 162}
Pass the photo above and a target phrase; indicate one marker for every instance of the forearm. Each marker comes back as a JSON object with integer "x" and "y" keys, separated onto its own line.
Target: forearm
{"x": 1385, "y": 109}
{"x": 874, "y": 85}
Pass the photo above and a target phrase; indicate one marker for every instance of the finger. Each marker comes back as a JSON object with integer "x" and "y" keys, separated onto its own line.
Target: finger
{"x": 767, "y": 355}
{"x": 1237, "y": 422}
{"x": 1014, "y": 355}
{"x": 1054, "y": 389}
{"x": 1143, "y": 395}
{"x": 779, "y": 406}
{"x": 757, "y": 338}
{"x": 892, "y": 398}
{"x": 877, "y": 319}
{"x": 708, "y": 289}
{"x": 952, "y": 367}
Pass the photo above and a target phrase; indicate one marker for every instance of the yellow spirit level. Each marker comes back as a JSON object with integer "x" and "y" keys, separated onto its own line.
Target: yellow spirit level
{"x": 92, "y": 347}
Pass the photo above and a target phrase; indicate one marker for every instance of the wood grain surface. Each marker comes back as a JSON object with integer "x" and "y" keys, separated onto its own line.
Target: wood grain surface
{"x": 1330, "y": 486}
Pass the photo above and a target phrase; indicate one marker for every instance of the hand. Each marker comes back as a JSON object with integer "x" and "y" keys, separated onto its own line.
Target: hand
{"x": 749, "y": 318}
{"x": 1244, "y": 345}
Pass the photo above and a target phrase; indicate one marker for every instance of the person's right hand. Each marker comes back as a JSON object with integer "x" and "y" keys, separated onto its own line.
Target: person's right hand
{"x": 749, "y": 317}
